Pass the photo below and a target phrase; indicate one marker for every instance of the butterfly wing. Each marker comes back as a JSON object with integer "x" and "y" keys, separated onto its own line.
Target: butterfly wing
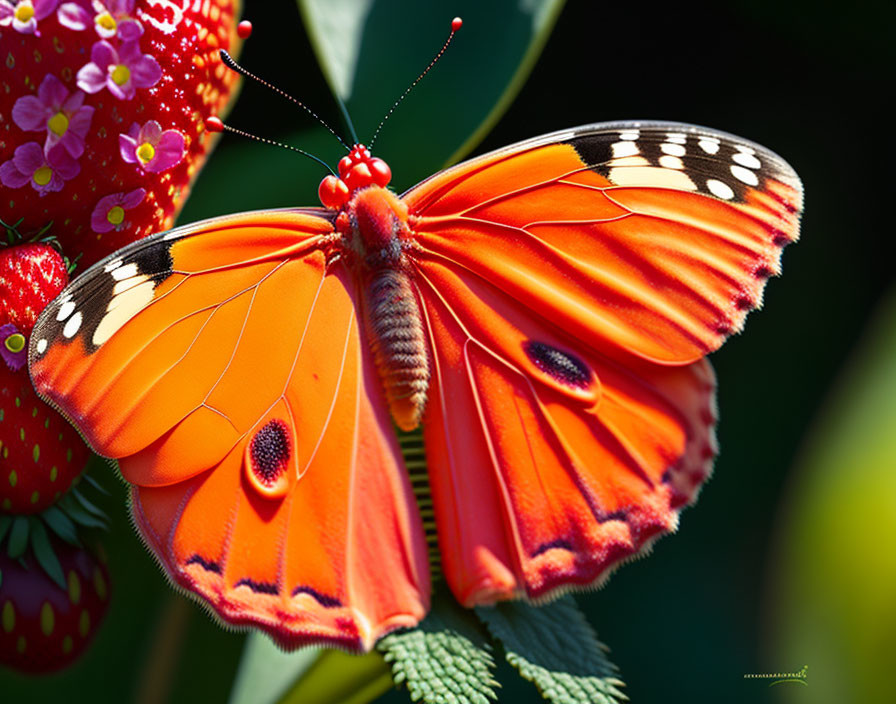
{"x": 223, "y": 366}
{"x": 571, "y": 287}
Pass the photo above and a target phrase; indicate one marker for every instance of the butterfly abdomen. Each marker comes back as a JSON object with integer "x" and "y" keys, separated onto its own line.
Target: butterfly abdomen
{"x": 395, "y": 330}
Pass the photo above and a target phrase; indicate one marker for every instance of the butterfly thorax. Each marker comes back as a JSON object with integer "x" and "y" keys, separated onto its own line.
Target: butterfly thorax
{"x": 376, "y": 236}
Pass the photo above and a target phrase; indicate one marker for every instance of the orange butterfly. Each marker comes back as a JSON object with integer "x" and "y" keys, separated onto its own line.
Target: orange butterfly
{"x": 544, "y": 311}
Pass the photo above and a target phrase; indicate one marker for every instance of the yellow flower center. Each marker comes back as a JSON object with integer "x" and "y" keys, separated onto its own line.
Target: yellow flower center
{"x": 43, "y": 175}
{"x": 145, "y": 152}
{"x": 106, "y": 21}
{"x": 15, "y": 342}
{"x": 24, "y": 11}
{"x": 121, "y": 74}
{"x": 58, "y": 124}
{"x": 115, "y": 215}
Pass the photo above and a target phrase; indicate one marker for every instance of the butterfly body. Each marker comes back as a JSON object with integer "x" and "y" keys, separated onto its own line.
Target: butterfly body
{"x": 543, "y": 311}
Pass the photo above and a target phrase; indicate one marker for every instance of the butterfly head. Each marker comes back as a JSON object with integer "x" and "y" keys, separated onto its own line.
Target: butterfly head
{"x": 357, "y": 170}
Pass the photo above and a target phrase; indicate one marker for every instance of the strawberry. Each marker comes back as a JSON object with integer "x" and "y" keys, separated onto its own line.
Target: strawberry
{"x": 40, "y": 453}
{"x": 102, "y": 104}
{"x": 44, "y": 627}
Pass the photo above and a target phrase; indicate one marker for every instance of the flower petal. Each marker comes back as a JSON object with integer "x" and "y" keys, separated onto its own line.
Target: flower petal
{"x": 52, "y": 92}
{"x": 73, "y": 16}
{"x": 129, "y": 30}
{"x": 29, "y": 113}
{"x": 11, "y": 177}
{"x": 150, "y": 132}
{"x": 145, "y": 72}
{"x": 63, "y": 164}
{"x": 103, "y": 54}
{"x": 43, "y": 8}
{"x": 133, "y": 199}
{"x": 128, "y": 148}
{"x": 169, "y": 152}
{"x": 91, "y": 78}
{"x": 29, "y": 157}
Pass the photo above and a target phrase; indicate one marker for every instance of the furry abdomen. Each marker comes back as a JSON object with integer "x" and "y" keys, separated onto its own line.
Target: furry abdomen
{"x": 397, "y": 339}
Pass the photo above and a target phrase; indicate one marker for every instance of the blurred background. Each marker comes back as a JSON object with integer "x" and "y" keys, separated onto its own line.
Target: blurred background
{"x": 787, "y": 560}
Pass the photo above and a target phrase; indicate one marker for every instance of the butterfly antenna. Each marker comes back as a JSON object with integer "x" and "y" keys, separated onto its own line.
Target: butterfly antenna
{"x": 234, "y": 66}
{"x": 456, "y": 24}
{"x": 214, "y": 124}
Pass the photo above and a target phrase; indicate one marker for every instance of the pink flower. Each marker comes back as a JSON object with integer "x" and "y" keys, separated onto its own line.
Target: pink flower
{"x": 13, "y": 347}
{"x": 24, "y": 15}
{"x": 46, "y": 172}
{"x": 62, "y": 114}
{"x": 122, "y": 72}
{"x": 109, "y": 212}
{"x": 110, "y": 18}
{"x": 150, "y": 148}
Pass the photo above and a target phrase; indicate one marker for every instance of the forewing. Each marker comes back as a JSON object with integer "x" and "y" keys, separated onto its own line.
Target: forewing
{"x": 224, "y": 367}
{"x": 651, "y": 238}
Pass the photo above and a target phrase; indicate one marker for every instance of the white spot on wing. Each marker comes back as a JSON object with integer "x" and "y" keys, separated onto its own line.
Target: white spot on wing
{"x": 676, "y": 137}
{"x": 748, "y": 160}
{"x": 673, "y": 149}
{"x": 709, "y": 145}
{"x": 745, "y": 175}
{"x": 65, "y": 310}
{"x": 651, "y": 176}
{"x": 629, "y": 135}
{"x": 125, "y": 272}
{"x": 622, "y": 149}
{"x": 720, "y": 189}
{"x": 122, "y": 308}
{"x": 124, "y": 285}
{"x": 73, "y": 325}
{"x": 41, "y": 346}
{"x": 671, "y": 162}
{"x": 114, "y": 264}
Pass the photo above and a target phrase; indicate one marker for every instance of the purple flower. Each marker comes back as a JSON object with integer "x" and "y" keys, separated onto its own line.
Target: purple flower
{"x": 122, "y": 72}
{"x": 46, "y": 172}
{"x": 110, "y": 18}
{"x": 109, "y": 212}
{"x": 12, "y": 347}
{"x": 62, "y": 114}
{"x": 150, "y": 148}
{"x": 24, "y": 15}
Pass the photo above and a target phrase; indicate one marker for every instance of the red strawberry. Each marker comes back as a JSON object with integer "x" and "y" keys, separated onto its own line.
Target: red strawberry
{"x": 42, "y": 626}
{"x": 40, "y": 453}
{"x": 102, "y": 106}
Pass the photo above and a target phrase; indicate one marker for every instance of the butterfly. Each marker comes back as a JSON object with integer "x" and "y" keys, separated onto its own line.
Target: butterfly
{"x": 544, "y": 312}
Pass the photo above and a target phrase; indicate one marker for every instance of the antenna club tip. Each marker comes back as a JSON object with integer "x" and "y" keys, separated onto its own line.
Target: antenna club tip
{"x": 244, "y": 29}
{"x": 214, "y": 124}
{"x": 456, "y": 24}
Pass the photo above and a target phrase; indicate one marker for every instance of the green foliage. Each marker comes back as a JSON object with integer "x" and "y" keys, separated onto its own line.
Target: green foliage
{"x": 446, "y": 659}
{"x": 835, "y": 577}
{"x": 554, "y": 647}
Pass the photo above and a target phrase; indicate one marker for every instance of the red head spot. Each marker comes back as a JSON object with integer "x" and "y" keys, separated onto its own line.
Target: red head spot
{"x": 357, "y": 170}
{"x": 214, "y": 124}
{"x": 244, "y": 29}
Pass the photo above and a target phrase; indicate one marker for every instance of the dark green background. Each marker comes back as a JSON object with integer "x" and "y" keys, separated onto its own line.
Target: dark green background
{"x": 806, "y": 79}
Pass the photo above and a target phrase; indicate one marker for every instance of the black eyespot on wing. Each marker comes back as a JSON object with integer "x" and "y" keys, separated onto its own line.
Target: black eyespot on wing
{"x": 270, "y": 451}
{"x": 329, "y": 602}
{"x": 559, "y": 365}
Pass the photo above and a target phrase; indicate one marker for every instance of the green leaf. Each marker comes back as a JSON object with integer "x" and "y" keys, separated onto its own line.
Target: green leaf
{"x": 445, "y": 659}
{"x": 370, "y": 57}
{"x": 46, "y": 557}
{"x": 267, "y": 675}
{"x": 74, "y": 511}
{"x": 89, "y": 506}
{"x": 61, "y": 525}
{"x": 554, "y": 647}
{"x": 18, "y": 537}
{"x": 5, "y": 523}
{"x": 834, "y": 576}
